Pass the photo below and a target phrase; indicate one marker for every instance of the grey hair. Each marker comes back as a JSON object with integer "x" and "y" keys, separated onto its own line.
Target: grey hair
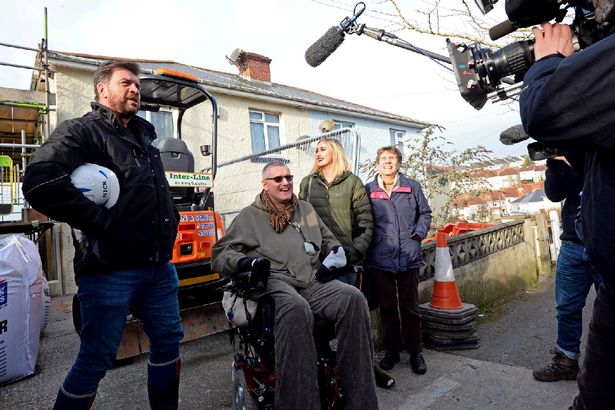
{"x": 271, "y": 165}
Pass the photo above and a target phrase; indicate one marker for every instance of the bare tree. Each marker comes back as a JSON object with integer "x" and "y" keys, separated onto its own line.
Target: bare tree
{"x": 453, "y": 19}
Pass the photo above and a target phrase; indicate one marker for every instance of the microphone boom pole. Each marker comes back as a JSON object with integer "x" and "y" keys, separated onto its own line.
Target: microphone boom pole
{"x": 392, "y": 39}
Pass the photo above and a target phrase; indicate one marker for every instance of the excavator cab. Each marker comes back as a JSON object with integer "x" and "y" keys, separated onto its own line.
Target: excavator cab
{"x": 200, "y": 226}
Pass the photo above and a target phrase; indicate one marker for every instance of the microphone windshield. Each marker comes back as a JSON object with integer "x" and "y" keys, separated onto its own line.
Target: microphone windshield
{"x": 502, "y": 29}
{"x": 324, "y": 46}
{"x": 513, "y": 135}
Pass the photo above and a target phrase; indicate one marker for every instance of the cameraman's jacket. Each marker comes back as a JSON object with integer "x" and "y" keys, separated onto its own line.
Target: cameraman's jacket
{"x": 251, "y": 234}
{"x": 569, "y": 103}
{"x": 141, "y": 227}
{"x": 563, "y": 184}
{"x": 344, "y": 207}
{"x": 396, "y": 219}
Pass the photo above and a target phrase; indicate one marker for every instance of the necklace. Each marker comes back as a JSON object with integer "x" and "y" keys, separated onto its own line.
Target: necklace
{"x": 308, "y": 246}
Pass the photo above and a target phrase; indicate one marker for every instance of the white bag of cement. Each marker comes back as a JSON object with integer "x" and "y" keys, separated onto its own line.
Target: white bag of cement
{"x": 23, "y": 306}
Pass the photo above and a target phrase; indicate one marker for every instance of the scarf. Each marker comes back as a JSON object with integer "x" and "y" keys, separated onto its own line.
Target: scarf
{"x": 279, "y": 214}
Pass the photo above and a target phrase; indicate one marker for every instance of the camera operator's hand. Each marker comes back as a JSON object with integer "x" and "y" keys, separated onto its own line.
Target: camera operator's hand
{"x": 552, "y": 39}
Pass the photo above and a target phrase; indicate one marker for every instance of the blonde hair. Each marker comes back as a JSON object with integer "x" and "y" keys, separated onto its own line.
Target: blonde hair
{"x": 341, "y": 163}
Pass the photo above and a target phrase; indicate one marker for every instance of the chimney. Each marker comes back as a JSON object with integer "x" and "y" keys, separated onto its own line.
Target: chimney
{"x": 251, "y": 65}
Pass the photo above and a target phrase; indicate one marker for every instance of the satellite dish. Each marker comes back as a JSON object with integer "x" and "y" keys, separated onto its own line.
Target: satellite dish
{"x": 235, "y": 56}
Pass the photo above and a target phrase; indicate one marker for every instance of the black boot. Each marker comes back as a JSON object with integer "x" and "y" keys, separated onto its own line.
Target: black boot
{"x": 163, "y": 385}
{"x": 67, "y": 401}
{"x": 417, "y": 362}
{"x": 389, "y": 360}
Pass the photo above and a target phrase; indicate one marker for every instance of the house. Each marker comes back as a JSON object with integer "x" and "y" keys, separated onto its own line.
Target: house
{"x": 483, "y": 207}
{"x": 532, "y": 203}
{"x": 533, "y": 173}
{"x": 255, "y": 115}
{"x": 258, "y": 121}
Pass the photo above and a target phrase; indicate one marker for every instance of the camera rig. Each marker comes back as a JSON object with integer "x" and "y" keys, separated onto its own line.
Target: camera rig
{"x": 481, "y": 71}
{"x": 483, "y": 74}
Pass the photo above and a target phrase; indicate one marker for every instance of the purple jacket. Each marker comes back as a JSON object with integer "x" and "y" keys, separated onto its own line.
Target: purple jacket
{"x": 396, "y": 220}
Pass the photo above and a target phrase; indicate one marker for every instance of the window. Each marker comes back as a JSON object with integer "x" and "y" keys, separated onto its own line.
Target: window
{"x": 346, "y": 140}
{"x": 398, "y": 138}
{"x": 342, "y": 124}
{"x": 264, "y": 131}
{"x": 161, "y": 120}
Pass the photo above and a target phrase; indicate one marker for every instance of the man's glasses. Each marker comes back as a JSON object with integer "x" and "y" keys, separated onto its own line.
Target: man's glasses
{"x": 277, "y": 180}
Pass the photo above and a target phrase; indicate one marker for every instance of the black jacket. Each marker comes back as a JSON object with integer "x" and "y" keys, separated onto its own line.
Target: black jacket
{"x": 141, "y": 228}
{"x": 569, "y": 103}
{"x": 563, "y": 184}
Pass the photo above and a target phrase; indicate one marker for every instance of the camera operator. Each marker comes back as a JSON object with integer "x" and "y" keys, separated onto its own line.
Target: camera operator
{"x": 574, "y": 275}
{"x": 568, "y": 102}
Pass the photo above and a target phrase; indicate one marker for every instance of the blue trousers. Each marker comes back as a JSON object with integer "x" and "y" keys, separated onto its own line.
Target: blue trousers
{"x": 105, "y": 299}
{"x": 575, "y": 275}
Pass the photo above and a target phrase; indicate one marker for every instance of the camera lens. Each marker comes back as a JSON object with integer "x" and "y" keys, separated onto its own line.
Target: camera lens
{"x": 512, "y": 59}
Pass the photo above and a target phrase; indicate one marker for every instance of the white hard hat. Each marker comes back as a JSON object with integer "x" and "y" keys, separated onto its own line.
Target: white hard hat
{"x": 97, "y": 183}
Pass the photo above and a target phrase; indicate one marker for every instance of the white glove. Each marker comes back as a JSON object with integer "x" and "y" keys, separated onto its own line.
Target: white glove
{"x": 335, "y": 259}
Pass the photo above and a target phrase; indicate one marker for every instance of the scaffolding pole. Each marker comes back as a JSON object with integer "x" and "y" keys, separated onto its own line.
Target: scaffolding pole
{"x": 43, "y": 52}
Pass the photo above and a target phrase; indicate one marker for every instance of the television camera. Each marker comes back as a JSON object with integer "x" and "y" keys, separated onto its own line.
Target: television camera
{"x": 481, "y": 71}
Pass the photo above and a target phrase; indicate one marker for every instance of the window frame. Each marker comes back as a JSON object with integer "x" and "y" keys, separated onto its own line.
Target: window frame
{"x": 265, "y": 125}
{"x": 174, "y": 118}
{"x": 395, "y": 141}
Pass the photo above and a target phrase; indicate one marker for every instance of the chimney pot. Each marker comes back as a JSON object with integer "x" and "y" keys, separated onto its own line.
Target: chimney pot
{"x": 251, "y": 65}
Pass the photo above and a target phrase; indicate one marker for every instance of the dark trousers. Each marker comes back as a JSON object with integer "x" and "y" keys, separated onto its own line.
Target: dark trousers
{"x": 398, "y": 295}
{"x": 597, "y": 379}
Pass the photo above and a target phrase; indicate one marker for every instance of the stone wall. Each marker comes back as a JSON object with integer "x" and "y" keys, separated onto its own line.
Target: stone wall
{"x": 489, "y": 264}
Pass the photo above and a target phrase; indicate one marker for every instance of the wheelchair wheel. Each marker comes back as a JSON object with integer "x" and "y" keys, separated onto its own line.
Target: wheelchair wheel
{"x": 242, "y": 398}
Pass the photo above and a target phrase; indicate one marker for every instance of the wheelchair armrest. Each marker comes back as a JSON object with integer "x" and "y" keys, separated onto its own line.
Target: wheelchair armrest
{"x": 251, "y": 281}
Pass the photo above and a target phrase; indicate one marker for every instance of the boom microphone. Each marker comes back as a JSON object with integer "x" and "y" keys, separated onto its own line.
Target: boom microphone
{"x": 324, "y": 46}
{"x": 513, "y": 135}
{"x": 502, "y": 29}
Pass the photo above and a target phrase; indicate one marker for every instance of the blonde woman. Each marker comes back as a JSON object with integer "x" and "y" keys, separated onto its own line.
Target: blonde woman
{"x": 339, "y": 198}
{"x": 341, "y": 201}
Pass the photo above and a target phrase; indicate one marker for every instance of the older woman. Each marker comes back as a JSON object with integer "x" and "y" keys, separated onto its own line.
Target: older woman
{"x": 401, "y": 220}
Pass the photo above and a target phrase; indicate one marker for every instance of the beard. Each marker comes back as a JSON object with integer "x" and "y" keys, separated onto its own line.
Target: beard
{"x": 602, "y": 10}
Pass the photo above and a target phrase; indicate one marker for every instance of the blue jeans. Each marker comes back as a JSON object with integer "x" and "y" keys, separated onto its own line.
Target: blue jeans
{"x": 105, "y": 299}
{"x": 575, "y": 275}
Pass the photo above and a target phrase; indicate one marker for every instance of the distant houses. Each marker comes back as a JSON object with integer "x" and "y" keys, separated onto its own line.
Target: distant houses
{"x": 508, "y": 188}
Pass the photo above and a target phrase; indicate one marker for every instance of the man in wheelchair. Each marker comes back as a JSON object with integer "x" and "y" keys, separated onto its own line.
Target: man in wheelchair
{"x": 304, "y": 258}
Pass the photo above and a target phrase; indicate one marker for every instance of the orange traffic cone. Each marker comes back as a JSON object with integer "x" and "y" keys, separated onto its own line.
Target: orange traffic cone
{"x": 445, "y": 294}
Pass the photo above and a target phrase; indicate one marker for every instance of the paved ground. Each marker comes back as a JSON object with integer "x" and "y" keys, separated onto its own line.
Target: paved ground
{"x": 516, "y": 336}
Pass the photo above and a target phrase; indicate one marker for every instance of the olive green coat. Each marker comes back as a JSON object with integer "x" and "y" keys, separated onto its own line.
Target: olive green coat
{"x": 344, "y": 208}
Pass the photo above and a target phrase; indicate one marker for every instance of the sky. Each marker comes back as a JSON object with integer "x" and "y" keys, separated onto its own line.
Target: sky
{"x": 203, "y": 32}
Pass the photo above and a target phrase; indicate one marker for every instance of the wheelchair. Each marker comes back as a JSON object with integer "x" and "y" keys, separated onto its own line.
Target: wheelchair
{"x": 252, "y": 369}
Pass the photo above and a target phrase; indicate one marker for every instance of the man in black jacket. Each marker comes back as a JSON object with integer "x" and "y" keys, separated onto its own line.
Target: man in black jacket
{"x": 574, "y": 276}
{"x": 122, "y": 253}
{"x": 567, "y": 102}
